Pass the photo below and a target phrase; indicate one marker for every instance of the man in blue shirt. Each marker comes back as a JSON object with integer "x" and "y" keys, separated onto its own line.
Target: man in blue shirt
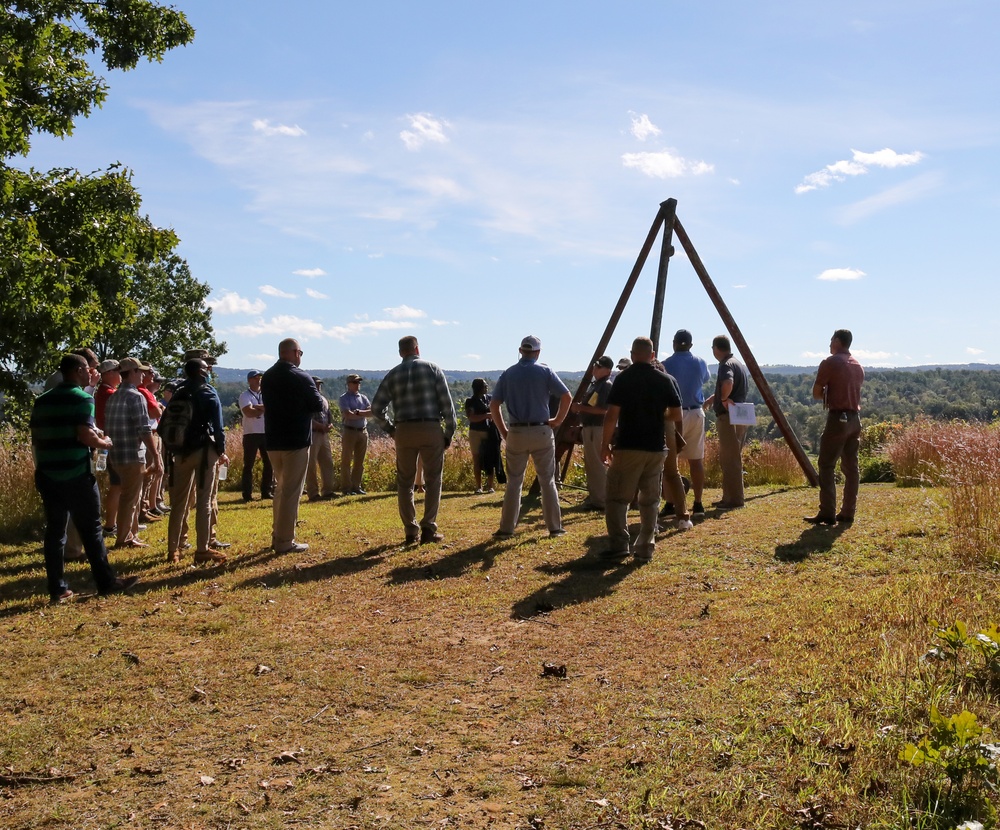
{"x": 421, "y": 400}
{"x": 526, "y": 388}
{"x": 691, "y": 374}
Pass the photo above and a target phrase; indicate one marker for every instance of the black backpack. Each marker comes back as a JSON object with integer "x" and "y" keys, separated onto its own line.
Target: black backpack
{"x": 182, "y": 427}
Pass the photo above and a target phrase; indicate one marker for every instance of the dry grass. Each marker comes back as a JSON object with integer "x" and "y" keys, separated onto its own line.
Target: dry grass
{"x": 754, "y": 670}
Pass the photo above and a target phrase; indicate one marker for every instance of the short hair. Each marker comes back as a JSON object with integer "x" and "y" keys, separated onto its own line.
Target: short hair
{"x": 479, "y": 383}
{"x": 722, "y": 344}
{"x": 287, "y": 345}
{"x": 88, "y": 355}
{"x": 69, "y": 363}
{"x": 407, "y": 344}
{"x": 845, "y": 337}
{"x": 643, "y": 345}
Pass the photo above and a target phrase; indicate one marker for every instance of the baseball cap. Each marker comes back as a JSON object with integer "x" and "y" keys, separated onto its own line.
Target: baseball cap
{"x": 108, "y": 366}
{"x": 131, "y": 363}
{"x": 531, "y": 344}
{"x": 624, "y": 363}
{"x": 317, "y": 380}
{"x": 254, "y": 373}
{"x": 354, "y": 378}
{"x": 199, "y": 354}
{"x": 683, "y": 337}
{"x": 605, "y": 362}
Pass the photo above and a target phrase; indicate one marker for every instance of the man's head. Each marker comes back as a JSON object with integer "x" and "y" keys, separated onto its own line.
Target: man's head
{"x": 642, "y": 350}
{"x": 74, "y": 369}
{"x": 318, "y": 382}
{"x": 408, "y": 345}
{"x": 530, "y": 346}
{"x": 721, "y": 347}
{"x": 289, "y": 349}
{"x": 682, "y": 341}
{"x": 479, "y": 386}
{"x": 131, "y": 369}
{"x": 603, "y": 366}
{"x": 202, "y": 354}
{"x": 623, "y": 364}
{"x": 197, "y": 370}
{"x": 842, "y": 339}
{"x": 253, "y": 379}
{"x": 353, "y": 382}
{"x": 109, "y": 372}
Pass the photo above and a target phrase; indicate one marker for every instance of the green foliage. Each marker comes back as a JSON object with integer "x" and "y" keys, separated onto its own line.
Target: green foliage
{"x": 955, "y": 747}
{"x": 46, "y": 81}
{"x": 974, "y": 657}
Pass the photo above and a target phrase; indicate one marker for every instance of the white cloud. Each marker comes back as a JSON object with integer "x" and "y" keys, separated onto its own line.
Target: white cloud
{"x": 317, "y": 295}
{"x": 285, "y": 325}
{"x": 642, "y": 127}
{"x": 263, "y": 125}
{"x": 351, "y": 330}
{"x": 471, "y": 356}
{"x": 445, "y": 323}
{"x": 665, "y": 165}
{"x": 973, "y": 350}
{"x": 262, "y": 357}
{"x": 424, "y": 128}
{"x": 233, "y": 303}
{"x": 310, "y": 272}
{"x": 404, "y": 312}
{"x": 271, "y": 291}
{"x": 839, "y": 274}
{"x": 815, "y": 355}
{"x": 857, "y": 166}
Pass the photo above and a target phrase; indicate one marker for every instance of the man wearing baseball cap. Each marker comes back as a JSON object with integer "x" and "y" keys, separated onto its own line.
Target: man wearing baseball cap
{"x": 355, "y": 409}
{"x": 526, "y": 388}
{"x": 591, "y": 410}
{"x": 252, "y": 407}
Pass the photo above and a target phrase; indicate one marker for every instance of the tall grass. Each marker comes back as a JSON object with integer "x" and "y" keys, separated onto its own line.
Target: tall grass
{"x": 20, "y": 507}
{"x": 915, "y": 454}
{"x": 764, "y": 462}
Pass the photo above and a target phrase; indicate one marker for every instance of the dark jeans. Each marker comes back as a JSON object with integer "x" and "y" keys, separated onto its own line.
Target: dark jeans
{"x": 840, "y": 442}
{"x": 253, "y": 444}
{"x": 80, "y": 500}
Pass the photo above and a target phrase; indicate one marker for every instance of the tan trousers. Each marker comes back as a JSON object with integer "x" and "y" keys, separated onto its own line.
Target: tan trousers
{"x": 128, "y": 504}
{"x": 193, "y": 475}
{"x": 538, "y": 443}
{"x": 353, "y": 448}
{"x": 672, "y": 486}
{"x": 731, "y": 440}
{"x": 633, "y": 470}
{"x": 320, "y": 456}
{"x": 289, "y": 476}
{"x": 423, "y": 440}
{"x": 597, "y": 473}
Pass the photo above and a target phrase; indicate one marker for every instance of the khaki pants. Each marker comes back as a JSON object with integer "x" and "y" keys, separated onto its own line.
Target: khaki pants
{"x": 289, "y": 477}
{"x": 353, "y": 448}
{"x": 192, "y": 475}
{"x": 633, "y": 470}
{"x": 731, "y": 440}
{"x": 841, "y": 441}
{"x": 672, "y": 486}
{"x": 539, "y": 444}
{"x": 597, "y": 473}
{"x": 128, "y": 503}
{"x": 320, "y": 456}
{"x": 423, "y": 440}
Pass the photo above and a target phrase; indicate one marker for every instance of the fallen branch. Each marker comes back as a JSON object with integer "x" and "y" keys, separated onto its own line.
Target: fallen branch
{"x": 30, "y": 779}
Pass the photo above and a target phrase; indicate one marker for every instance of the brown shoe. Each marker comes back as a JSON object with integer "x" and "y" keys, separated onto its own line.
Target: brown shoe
{"x": 174, "y": 558}
{"x": 131, "y": 543}
{"x": 146, "y": 516}
{"x": 428, "y": 536}
{"x": 206, "y": 557}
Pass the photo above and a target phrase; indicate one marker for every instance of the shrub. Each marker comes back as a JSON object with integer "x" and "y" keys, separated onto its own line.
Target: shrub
{"x": 770, "y": 462}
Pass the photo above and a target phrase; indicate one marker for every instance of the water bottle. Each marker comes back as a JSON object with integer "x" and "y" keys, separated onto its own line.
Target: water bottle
{"x": 223, "y": 472}
{"x": 101, "y": 461}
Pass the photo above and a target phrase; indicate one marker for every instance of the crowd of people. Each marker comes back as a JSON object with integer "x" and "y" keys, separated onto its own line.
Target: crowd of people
{"x": 638, "y": 419}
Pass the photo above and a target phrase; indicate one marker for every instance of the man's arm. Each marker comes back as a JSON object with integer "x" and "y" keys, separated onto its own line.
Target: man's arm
{"x": 610, "y": 422}
{"x": 380, "y": 406}
{"x": 564, "y": 404}
{"x": 90, "y": 437}
{"x": 447, "y": 406}
{"x": 497, "y": 415}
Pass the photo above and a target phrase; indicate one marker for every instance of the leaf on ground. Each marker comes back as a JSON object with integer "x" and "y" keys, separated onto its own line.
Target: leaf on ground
{"x": 262, "y": 669}
{"x": 286, "y": 757}
{"x": 197, "y": 694}
{"x": 600, "y": 802}
{"x": 207, "y": 780}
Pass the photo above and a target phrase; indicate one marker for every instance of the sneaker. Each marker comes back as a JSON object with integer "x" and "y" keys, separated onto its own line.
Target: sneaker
{"x": 667, "y": 510}
{"x": 65, "y": 596}
{"x": 359, "y": 491}
{"x": 217, "y": 545}
{"x": 698, "y": 509}
{"x": 478, "y": 491}
{"x": 559, "y": 531}
{"x": 295, "y": 547}
{"x": 491, "y": 490}
{"x": 163, "y": 508}
{"x": 204, "y": 557}
{"x": 684, "y": 524}
{"x": 110, "y": 531}
{"x": 121, "y": 586}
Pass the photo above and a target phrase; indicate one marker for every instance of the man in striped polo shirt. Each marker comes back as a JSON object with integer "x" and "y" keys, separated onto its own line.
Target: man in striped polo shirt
{"x": 62, "y": 434}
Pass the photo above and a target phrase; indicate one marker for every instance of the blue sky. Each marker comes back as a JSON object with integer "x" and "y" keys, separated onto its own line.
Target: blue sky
{"x": 347, "y": 173}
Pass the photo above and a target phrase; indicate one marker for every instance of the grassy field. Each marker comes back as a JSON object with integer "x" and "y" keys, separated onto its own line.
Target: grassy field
{"x": 759, "y": 673}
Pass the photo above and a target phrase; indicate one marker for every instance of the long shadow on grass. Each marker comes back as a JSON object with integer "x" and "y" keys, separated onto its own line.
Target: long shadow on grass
{"x": 815, "y": 539}
{"x": 341, "y": 566}
{"x": 452, "y": 566}
{"x": 583, "y": 580}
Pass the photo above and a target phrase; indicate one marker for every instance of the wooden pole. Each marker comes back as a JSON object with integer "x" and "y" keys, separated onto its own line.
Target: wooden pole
{"x": 744, "y": 349}
{"x": 669, "y": 211}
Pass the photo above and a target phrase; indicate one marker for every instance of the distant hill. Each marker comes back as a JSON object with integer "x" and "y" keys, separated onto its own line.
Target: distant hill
{"x": 225, "y": 375}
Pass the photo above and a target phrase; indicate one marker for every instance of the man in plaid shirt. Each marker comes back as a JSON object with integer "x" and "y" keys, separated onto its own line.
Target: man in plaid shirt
{"x": 418, "y": 392}
{"x": 126, "y": 422}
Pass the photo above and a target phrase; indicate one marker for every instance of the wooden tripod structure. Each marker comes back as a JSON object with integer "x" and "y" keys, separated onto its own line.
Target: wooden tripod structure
{"x": 666, "y": 218}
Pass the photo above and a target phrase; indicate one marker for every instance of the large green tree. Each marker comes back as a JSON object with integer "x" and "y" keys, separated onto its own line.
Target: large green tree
{"x": 78, "y": 261}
